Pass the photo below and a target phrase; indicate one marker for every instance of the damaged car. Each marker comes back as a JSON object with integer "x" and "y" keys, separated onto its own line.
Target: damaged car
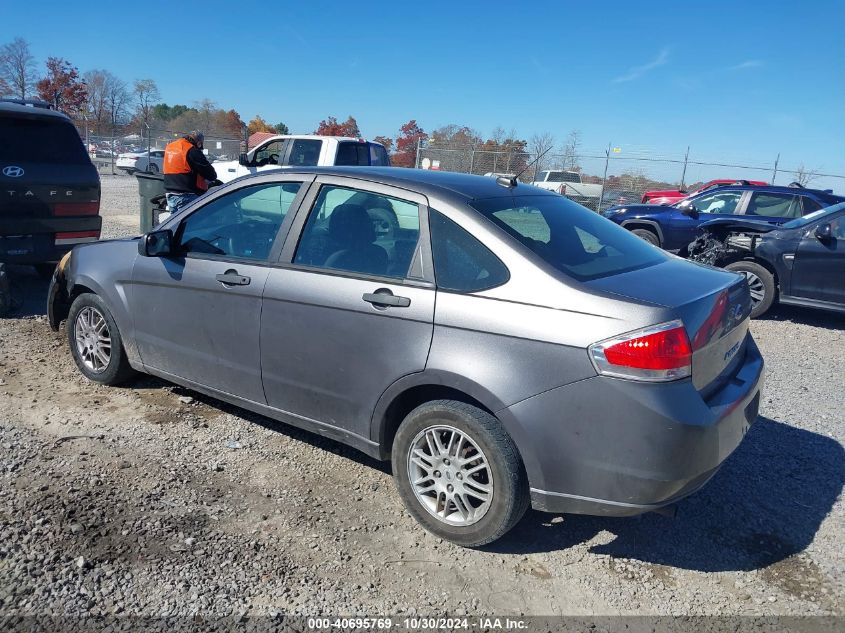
{"x": 801, "y": 262}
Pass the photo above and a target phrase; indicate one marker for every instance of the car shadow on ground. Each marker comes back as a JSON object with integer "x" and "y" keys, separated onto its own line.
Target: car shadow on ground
{"x": 28, "y": 292}
{"x": 765, "y": 505}
{"x": 806, "y": 316}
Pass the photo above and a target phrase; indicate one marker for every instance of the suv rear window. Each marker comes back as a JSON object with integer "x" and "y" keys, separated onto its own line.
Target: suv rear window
{"x": 361, "y": 154}
{"x": 574, "y": 240}
{"x": 40, "y": 140}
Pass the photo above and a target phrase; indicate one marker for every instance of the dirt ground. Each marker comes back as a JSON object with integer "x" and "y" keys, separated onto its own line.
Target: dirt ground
{"x": 151, "y": 499}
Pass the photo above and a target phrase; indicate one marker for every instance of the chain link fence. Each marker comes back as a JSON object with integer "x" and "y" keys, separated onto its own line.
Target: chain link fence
{"x": 623, "y": 174}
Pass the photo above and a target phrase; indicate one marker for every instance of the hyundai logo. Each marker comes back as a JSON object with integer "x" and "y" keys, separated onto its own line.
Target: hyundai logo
{"x": 13, "y": 171}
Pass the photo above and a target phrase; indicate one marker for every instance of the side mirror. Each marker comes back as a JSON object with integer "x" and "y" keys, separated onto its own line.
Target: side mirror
{"x": 690, "y": 210}
{"x": 156, "y": 244}
{"x": 823, "y": 232}
{"x": 243, "y": 160}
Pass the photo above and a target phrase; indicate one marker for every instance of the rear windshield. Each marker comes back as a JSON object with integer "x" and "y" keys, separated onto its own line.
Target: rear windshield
{"x": 563, "y": 176}
{"x": 40, "y": 140}
{"x": 362, "y": 154}
{"x": 575, "y": 240}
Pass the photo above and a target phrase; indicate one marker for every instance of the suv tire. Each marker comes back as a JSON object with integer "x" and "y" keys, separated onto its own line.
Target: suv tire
{"x": 647, "y": 235}
{"x": 95, "y": 342}
{"x": 761, "y": 283}
{"x": 446, "y": 452}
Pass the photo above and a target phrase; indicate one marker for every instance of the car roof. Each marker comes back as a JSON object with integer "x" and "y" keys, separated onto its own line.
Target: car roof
{"x": 15, "y": 109}
{"x": 770, "y": 189}
{"x": 427, "y": 182}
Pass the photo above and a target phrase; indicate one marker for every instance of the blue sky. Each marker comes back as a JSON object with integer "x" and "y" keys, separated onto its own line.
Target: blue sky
{"x": 738, "y": 82}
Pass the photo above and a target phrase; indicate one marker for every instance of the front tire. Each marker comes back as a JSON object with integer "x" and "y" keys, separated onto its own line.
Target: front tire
{"x": 459, "y": 473}
{"x": 761, "y": 285}
{"x": 95, "y": 342}
{"x": 648, "y": 236}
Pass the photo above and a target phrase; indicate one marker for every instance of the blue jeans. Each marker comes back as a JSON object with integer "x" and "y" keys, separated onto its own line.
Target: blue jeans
{"x": 176, "y": 201}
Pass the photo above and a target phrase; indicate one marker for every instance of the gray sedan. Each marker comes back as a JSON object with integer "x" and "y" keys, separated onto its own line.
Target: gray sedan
{"x": 502, "y": 345}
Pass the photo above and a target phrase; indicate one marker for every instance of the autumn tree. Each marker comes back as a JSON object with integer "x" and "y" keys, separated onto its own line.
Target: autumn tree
{"x": 229, "y": 123}
{"x": 411, "y": 135}
{"x": 331, "y": 127}
{"x": 206, "y": 107}
{"x": 387, "y": 142}
{"x": 259, "y": 125}
{"x": 17, "y": 69}
{"x": 62, "y": 87}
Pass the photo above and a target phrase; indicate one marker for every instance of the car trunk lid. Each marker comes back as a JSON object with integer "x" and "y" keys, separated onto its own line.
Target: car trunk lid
{"x": 713, "y": 304}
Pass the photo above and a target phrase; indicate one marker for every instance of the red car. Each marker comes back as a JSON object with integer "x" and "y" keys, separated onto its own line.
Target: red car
{"x": 671, "y": 197}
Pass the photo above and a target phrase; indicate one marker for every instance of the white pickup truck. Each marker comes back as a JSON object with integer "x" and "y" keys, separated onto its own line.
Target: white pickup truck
{"x": 568, "y": 183}
{"x": 303, "y": 150}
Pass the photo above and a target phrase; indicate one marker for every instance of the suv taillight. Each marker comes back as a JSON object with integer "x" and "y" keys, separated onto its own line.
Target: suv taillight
{"x": 76, "y": 208}
{"x": 656, "y": 354}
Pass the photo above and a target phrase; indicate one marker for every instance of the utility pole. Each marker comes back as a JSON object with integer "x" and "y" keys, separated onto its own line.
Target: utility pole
{"x": 684, "y": 173}
{"x": 604, "y": 178}
{"x": 775, "y": 172}
{"x": 419, "y": 147}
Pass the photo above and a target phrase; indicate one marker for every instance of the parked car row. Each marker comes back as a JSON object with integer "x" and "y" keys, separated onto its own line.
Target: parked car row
{"x": 151, "y": 162}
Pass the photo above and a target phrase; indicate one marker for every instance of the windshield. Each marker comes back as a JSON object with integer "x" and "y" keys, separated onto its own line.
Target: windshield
{"x": 576, "y": 241}
{"x": 815, "y": 215}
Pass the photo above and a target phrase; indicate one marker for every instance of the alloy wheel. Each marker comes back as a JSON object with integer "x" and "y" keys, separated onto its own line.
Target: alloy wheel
{"x": 755, "y": 287}
{"x": 450, "y": 475}
{"x": 93, "y": 340}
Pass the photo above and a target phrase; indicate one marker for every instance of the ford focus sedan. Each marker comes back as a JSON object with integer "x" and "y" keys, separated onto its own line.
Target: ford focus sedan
{"x": 500, "y": 344}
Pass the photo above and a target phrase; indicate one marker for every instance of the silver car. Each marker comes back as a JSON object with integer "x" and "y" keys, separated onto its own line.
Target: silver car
{"x": 502, "y": 345}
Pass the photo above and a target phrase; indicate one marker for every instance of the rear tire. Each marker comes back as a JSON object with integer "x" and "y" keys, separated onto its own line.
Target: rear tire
{"x": 459, "y": 452}
{"x": 648, "y": 236}
{"x": 761, "y": 284}
{"x": 95, "y": 342}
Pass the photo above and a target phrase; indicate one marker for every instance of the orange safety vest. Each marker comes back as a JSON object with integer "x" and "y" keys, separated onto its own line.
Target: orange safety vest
{"x": 176, "y": 161}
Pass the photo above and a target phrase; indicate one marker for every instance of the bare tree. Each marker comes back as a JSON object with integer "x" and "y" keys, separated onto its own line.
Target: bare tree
{"x": 805, "y": 175}
{"x": 95, "y": 106}
{"x": 570, "y": 150}
{"x": 17, "y": 69}
{"x": 146, "y": 96}
{"x": 539, "y": 147}
{"x": 206, "y": 107}
{"x": 117, "y": 101}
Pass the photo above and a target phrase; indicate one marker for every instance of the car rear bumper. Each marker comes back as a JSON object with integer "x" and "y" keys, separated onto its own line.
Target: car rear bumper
{"x": 614, "y": 447}
{"x": 38, "y": 240}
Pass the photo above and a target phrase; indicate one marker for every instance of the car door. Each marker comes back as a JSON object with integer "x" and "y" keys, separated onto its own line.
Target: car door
{"x": 773, "y": 207}
{"x": 350, "y": 307}
{"x": 683, "y": 220}
{"x": 197, "y": 313}
{"x": 818, "y": 270}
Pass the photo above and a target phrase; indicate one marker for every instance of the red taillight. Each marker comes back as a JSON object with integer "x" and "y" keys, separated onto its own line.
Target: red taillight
{"x": 76, "y": 237}
{"x": 76, "y": 208}
{"x": 658, "y": 353}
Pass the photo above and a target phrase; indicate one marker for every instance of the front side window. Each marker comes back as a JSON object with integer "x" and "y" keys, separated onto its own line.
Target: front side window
{"x": 573, "y": 239}
{"x": 461, "y": 262}
{"x": 774, "y": 205}
{"x": 270, "y": 154}
{"x": 360, "y": 232}
{"x": 305, "y": 152}
{"x": 724, "y": 203}
{"x": 243, "y": 223}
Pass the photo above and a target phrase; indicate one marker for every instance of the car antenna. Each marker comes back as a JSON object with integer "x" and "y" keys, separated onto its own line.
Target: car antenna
{"x": 513, "y": 181}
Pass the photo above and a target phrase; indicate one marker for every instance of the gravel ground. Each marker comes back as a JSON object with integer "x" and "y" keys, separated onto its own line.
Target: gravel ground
{"x": 155, "y": 500}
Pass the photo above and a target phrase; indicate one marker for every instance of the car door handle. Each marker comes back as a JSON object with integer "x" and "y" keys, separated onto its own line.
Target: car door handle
{"x": 232, "y": 278}
{"x": 384, "y": 298}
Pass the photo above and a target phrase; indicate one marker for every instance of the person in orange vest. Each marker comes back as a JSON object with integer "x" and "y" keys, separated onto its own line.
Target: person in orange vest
{"x": 187, "y": 171}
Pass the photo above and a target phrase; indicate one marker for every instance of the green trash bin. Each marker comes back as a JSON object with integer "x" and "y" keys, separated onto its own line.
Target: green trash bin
{"x": 151, "y": 192}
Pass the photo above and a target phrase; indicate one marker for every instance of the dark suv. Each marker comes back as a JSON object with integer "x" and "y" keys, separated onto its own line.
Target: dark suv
{"x": 49, "y": 189}
{"x": 673, "y": 227}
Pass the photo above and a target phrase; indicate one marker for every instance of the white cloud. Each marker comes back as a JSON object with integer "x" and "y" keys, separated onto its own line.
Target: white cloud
{"x": 638, "y": 71}
{"x": 749, "y": 63}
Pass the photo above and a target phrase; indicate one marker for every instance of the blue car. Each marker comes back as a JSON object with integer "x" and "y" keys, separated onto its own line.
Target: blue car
{"x": 673, "y": 227}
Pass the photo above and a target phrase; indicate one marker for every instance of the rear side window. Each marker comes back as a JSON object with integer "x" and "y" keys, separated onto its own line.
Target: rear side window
{"x": 305, "y": 152}
{"x": 461, "y": 262}
{"x": 574, "y": 240}
{"x": 378, "y": 156}
{"x": 809, "y": 205}
{"x": 351, "y": 153}
{"x": 774, "y": 205}
{"x": 40, "y": 140}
